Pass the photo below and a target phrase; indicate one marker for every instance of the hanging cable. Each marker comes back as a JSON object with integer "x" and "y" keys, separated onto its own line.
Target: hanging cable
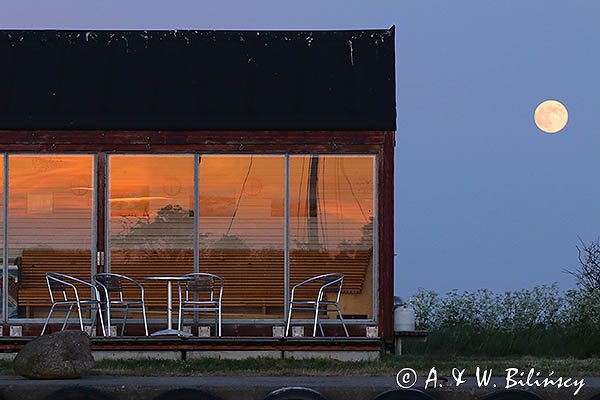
{"x": 237, "y": 206}
{"x": 323, "y": 220}
{"x": 354, "y": 194}
{"x": 300, "y": 196}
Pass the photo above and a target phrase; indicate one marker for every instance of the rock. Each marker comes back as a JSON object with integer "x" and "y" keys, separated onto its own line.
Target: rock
{"x": 60, "y": 355}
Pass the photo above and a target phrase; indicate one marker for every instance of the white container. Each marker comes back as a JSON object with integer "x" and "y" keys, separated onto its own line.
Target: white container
{"x": 404, "y": 318}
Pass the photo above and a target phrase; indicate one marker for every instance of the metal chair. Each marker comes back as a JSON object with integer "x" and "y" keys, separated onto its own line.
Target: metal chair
{"x": 203, "y": 293}
{"x": 60, "y": 286}
{"x": 329, "y": 284}
{"x": 112, "y": 288}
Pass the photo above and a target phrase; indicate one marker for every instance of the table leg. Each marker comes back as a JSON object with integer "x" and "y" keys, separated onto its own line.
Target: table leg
{"x": 170, "y": 330}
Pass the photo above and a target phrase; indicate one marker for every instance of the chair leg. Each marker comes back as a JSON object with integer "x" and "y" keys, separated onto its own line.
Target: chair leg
{"x": 101, "y": 319}
{"x": 144, "y": 316}
{"x": 342, "y": 320}
{"x": 320, "y": 324}
{"x": 66, "y": 321}
{"x": 289, "y": 319}
{"x": 124, "y": 321}
{"x": 321, "y": 328}
{"x": 80, "y": 317}
{"x": 316, "y": 319}
{"x": 220, "y": 319}
{"x": 179, "y": 322}
{"x": 47, "y": 319}
{"x": 217, "y": 323}
{"x": 94, "y": 314}
{"x": 108, "y": 317}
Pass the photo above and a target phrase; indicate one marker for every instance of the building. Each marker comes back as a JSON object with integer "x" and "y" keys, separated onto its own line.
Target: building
{"x": 263, "y": 156}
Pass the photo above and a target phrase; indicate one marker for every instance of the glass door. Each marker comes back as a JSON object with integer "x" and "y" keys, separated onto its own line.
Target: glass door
{"x": 332, "y": 210}
{"x": 50, "y": 227}
{"x": 241, "y": 232}
{"x": 151, "y": 220}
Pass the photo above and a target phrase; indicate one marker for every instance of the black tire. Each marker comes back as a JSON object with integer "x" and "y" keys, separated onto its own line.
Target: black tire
{"x": 512, "y": 394}
{"x": 78, "y": 393}
{"x": 186, "y": 394}
{"x": 404, "y": 394}
{"x": 295, "y": 393}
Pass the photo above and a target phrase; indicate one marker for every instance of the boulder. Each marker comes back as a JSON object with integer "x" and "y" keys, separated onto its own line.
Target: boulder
{"x": 60, "y": 355}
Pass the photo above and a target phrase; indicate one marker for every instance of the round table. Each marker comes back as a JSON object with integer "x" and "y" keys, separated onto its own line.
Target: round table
{"x": 169, "y": 280}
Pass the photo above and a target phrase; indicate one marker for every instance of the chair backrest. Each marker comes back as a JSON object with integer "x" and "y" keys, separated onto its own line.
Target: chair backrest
{"x": 322, "y": 284}
{"x": 332, "y": 283}
{"x": 63, "y": 284}
{"x": 203, "y": 283}
{"x": 110, "y": 284}
{"x": 56, "y": 284}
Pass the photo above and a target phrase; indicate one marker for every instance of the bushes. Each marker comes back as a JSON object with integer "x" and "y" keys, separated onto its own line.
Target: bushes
{"x": 541, "y": 321}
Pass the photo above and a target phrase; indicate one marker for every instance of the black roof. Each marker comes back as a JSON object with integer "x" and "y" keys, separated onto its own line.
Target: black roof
{"x": 196, "y": 80}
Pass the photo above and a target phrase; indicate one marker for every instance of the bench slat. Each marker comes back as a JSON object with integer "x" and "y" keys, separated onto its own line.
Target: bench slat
{"x": 252, "y": 278}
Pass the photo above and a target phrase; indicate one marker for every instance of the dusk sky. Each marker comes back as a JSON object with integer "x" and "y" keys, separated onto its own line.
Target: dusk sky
{"x": 483, "y": 197}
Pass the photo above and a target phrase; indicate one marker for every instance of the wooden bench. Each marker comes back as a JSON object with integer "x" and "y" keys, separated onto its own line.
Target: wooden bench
{"x": 253, "y": 278}
{"x": 34, "y": 263}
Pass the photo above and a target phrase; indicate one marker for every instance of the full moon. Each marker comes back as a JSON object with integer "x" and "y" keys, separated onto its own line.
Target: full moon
{"x": 551, "y": 116}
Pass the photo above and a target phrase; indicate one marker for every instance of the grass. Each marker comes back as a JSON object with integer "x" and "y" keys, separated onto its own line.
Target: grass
{"x": 387, "y": 366}
{"x": 581, "y": 342}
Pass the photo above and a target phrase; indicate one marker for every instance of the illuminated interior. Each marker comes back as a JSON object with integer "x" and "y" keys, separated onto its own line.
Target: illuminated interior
{"x": 151, "y": 203}
{"x": 50, "y": 206}
{"x": 240, "y": 217}
{"x": 241, "y": 231}
{"x": 331, "y": 226}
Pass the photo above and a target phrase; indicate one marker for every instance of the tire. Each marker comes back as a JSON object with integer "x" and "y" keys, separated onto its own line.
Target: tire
{"x": 514, "y": 394}
{"x": 295, "y": 393}
{"x": 404, "y": 394}
{"x": 186, "y": 394}
{"x": 78, "y": 393}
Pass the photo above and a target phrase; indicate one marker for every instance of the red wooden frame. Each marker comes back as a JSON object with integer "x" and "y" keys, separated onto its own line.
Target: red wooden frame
{"x": 381, "y": 143}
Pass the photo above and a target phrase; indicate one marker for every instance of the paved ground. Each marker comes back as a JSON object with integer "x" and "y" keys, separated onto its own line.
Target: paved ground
{"x": 250, "y": 388}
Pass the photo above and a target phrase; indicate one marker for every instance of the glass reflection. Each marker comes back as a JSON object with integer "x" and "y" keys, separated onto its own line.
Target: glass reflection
{"x": 331, "y": 226}
{"x": 49, "y": 226}
{"x": 241, "y": 237}
{"x": 151, "y": 227}
{"x": 151, "y": 202}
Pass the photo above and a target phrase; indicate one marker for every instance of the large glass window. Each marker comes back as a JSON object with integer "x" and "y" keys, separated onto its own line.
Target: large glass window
{"x": 153, "y": 214}
{"x": 49, "y": 226}
{"x": 151, "y": 202}
{"x": 241, "y": 234}
{"x": 331, "y": 226}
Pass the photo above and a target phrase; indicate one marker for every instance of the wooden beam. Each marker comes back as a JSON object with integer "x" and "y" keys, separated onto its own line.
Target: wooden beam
{"x": 330, "y": 138}
{"x": 101, "y": 206}
{"x": 386, "y": 237}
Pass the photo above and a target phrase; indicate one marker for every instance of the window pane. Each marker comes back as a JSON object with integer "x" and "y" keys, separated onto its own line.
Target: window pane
{"x": 241, "y": 224}
{"x": 331, "y": 226}
{"x": 49, "y": 226}
{"x": 151, "y": 201}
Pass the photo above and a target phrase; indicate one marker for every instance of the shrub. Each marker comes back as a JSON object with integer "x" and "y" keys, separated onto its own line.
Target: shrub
{"x": 540, "y": 321}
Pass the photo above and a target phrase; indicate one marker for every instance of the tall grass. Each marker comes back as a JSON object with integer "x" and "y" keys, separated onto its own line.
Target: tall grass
{"x": 542, "y": 321}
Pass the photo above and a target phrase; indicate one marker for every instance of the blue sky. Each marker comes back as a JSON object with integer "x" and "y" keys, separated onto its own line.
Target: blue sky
{"x": 484, "y": 199}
